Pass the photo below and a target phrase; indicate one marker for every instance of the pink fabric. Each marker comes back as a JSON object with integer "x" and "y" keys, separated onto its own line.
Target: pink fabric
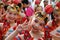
{"x": 29, "y": 12}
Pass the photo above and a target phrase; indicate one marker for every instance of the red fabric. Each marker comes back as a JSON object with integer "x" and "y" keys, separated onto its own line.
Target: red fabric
{"x": 47, "y": 34}
{"x": 37, "y": 2}
{"x": 6, "y": 26}
{"x": 26, "y": 35}
{"x": 18, "y": 22}
{"x": 49, "y": 9}
{"x": 58, "y": 4}
{"x": 16, "y": 1}
{"x": 54, "y": 26}
{"x": 49, "y": 29}
{"x": 4, "y": 30}
{"x": 39, "y": 39}
{"x": 23, "y": 19}
{"x": 1, "y": 35}
{"x": 15, "y": 38}
{"x": 0, "y": 21}
{"x": 14, "y": 28}
{"x": 1, "y": 31}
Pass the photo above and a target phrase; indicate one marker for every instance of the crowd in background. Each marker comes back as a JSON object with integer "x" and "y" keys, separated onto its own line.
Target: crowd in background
{"x": 29, "y": 19}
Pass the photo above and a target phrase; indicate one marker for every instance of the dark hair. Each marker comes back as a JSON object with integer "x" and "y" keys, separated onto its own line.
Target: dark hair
{"x": 5, "y": 7}
{"x": 46, "y": 20}
{"x": 45, "y": 1}
{"x": 39, "y": 14}
{"x": 19, "y": 4}
{"x": 52, "y": 16}
{"x": 25, "y": 1}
